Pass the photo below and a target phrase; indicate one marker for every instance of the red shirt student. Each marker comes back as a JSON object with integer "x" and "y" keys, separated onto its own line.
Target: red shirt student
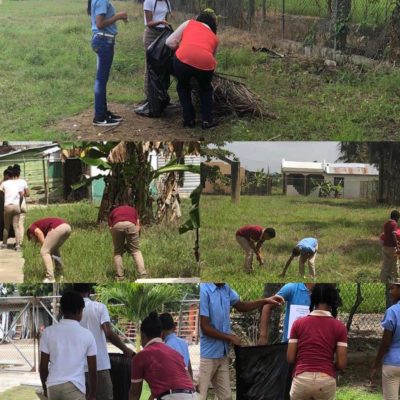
{"x": 122, "y": 214}
{"x": 314, "y": 343}
{"x": 160, "y": 366}
{"x": 390, "y": 248}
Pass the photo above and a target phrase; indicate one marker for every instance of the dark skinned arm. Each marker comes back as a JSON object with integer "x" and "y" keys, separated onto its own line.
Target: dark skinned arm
{"x": 136, "y": 390}
{"x": 44, "y": 370}
{"x": 246, "y": 306}
{"x": 291, "y": 353}
{"x": 149, "y": 20}
{"x": 384, "y": 346}
{"x": 92, "y": 371}
{"x": 264, "y": 324}
{"x": 282, "y": 275}
{"x": 102, "y": 22}
{"x": 341, "y": 358}
{"x": 210, "y": 331}
{"x": 116, "y": 340}
{"x": 39, "y": 236}
{"x": 190, "y": 370}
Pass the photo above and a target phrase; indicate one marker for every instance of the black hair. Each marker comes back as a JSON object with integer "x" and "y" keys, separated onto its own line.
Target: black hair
{"x": 82, "y": 288}
{"x": 71, "y": 303}
{"x": 89, "y": 7}
{"x": 296, "y": 251}
{"x": 208, "y": 19}
{"x": 8, "y": 172}
{"x": 151, "y": 326}
{"x": 17, "y": 170}
{"x": 395, "y": 215}
{"x": 326, "y": 293}
{"x": 167, "y": 322}
{"x": 271, "y": 232}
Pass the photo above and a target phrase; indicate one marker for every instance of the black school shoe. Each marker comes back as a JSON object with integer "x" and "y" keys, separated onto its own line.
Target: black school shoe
{"x": 111, "y": 115}
{"x": 105, "y": 122}
{"x": 208, "y": 125}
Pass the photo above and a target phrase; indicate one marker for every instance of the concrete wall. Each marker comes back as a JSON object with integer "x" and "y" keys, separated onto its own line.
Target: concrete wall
{"x": 352, "y": 184}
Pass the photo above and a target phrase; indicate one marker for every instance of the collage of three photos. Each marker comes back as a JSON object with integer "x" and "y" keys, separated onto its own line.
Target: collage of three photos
{"x": 199, "y": 200}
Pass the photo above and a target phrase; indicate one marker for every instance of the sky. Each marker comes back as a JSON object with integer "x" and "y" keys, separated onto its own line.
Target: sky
{"x": 257, "y": 155}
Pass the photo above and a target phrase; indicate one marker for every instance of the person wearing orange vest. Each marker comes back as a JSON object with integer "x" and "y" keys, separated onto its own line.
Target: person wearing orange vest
{"x": 195, "y": 42}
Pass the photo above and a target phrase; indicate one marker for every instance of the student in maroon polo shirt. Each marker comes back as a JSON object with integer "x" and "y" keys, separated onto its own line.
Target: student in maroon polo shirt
{"x": 390, "y": 248}
{"x": 162, "y": 367}
{"x": 124, "y": 225}
{"x": 250, "y": 239}
{"x": 51, "y": 233}
{"x": 314, "y": 343}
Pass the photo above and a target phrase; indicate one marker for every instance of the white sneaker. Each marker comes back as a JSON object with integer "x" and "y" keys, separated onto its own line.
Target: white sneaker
{"x": 3, "y": 246}
{"x": 18, "y": 248}
{"x": 47, "y": 280}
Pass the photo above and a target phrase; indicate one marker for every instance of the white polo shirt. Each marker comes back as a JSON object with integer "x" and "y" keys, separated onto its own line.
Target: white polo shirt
{"x": 68, "y": 345}
{"x": 94, "y": 315}
{"x": 11, "y": 189}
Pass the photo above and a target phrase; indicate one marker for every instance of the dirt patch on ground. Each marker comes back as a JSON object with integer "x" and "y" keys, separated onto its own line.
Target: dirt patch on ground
{"x": 134, "y": 127}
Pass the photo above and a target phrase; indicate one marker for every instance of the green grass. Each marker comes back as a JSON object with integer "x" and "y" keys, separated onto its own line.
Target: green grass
{"x": 47, "y": 70}
{"x": 356, "y": 394}
{"x": 347, "y": 231}
{"x": 26, "y": 393}
{"x": 88, "y": 253}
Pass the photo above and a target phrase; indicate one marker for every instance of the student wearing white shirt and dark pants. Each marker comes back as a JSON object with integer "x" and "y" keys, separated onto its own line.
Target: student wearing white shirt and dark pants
{"x": 96, "y": 319}
{"x": 68, "y": 347}
{"x": 155, "y": 20}
{"x": 23, "y": 187}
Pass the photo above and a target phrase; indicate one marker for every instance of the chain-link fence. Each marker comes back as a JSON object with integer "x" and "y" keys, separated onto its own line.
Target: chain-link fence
{"x": 356, "y": 27}
{"x": 365, "y": 322}
{"x": 22, "y": 319}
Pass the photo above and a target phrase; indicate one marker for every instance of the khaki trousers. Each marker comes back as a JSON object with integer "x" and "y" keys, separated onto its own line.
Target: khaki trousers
{"x": 311, "y": 264}
{"x": 149, "y": 36}
{"x": 390, "y": 264}
{"x": 65, "y": 391}
{"x": 313, "y": 385}
{"x": 390, "y": 382}
{"x": 12, "y": 214}
{"x": 215, "y": 371}
{"x": 126, "y": 232}
{"x": 104, "y": 389}
{"x": 51, "y": 246}
{"x": 180, "y": 396}
{"x": 248, "y": 259}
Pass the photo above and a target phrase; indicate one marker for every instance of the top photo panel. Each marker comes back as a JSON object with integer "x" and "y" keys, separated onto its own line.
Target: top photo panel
{"x": 174, "y": 69}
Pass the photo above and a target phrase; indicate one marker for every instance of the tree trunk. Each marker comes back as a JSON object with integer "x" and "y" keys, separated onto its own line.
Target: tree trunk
{"x": 235, "y": 181}
{"x": 340, "y": 20}
{"x": 359, "y": 299}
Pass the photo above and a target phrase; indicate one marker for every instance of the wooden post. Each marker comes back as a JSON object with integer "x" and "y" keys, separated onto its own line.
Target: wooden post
{"x": 284, "y": 182}
{"x": 46, "y": 186}
{"x": 235, "y": 181}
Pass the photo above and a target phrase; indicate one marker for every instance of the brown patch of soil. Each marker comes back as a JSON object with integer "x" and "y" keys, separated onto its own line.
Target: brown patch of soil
{"x": 133, "y": 127}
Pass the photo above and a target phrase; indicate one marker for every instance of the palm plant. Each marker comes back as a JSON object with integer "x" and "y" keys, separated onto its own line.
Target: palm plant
{"x": 137, "y": 300}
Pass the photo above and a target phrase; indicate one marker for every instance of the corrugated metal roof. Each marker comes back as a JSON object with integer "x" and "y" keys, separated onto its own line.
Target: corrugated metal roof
{"x": 351, "y": 169}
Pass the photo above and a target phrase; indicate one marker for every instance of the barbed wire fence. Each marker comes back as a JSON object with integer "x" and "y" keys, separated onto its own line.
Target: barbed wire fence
{"x": 354, "y": 27}
{"x": 364, "y": 323}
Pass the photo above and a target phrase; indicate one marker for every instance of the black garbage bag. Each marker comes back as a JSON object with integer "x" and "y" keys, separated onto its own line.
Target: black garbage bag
{"x": 120, "y": 375}
{"x": 159, "y": 66}
{"x": 262, "y": 373}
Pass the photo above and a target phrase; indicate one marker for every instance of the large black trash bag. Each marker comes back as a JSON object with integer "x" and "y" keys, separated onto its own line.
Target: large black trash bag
{"x": 120, "y": 375}
{"x": 159, "y": 66}
{"x": 262, "y": 373}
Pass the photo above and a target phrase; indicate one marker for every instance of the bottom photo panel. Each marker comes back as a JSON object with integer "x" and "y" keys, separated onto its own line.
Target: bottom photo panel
{"x": 266, "y": 341}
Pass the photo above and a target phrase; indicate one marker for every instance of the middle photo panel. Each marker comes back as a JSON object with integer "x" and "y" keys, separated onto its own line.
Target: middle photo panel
{"x": 308, "y": 211}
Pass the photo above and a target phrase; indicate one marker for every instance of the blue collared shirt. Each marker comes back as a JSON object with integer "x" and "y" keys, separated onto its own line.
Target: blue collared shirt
{"x": 308, "y": 244}
{"x": 391, "y": 322}
{"x": 216, "y": 303}
{"x": 293, "y": 293}
{"x": 103, "y": 7}
{"x": 178, "y": 345}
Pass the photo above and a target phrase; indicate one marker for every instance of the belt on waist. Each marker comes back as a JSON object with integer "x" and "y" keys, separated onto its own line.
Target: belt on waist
{"x": 109, "y": 35}
{"x": 173, "y": 391}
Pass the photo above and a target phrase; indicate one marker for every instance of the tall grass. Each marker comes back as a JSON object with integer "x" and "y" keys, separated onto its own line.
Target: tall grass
{"x": 347, "y": 231}
{"x": 88, "y": 253}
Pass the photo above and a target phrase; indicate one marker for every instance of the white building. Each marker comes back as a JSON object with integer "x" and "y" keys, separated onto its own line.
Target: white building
{"x": 356, "y": 180}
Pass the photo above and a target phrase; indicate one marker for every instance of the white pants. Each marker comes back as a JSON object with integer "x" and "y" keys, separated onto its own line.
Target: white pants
{"x": 390, "y": 382}
{"x": 180, "y": 396}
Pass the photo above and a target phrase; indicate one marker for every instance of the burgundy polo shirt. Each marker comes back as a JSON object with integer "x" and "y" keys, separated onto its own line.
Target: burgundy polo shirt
{"x": 317, "y": 336}
{"x": 388, "y": 229}
{"x": 46, "y": 225}
{"x": 253, "y": 232}
{"x": 162, "y": 367}
{"x": 123, "y": 214}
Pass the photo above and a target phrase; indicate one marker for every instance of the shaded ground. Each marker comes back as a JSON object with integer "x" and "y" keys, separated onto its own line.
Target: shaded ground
{"x": 134, "y": 126}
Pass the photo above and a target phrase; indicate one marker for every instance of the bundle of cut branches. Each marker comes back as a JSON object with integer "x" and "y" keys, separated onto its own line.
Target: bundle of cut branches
{"x": 234, "y": 97}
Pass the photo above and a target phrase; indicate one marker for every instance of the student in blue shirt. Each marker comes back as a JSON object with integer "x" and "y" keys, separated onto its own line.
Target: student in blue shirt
{"x": 306, "y": 250}
{"x": 296, "y": 294}
{"x": 173, "y": 341}
{"x": 388, "y": 355}
{"x": 104, "y": 29}
{"x": 216, "y": 301}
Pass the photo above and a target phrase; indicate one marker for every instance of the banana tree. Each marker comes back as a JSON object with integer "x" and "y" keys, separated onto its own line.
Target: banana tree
{"x": 138, "y": 301}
